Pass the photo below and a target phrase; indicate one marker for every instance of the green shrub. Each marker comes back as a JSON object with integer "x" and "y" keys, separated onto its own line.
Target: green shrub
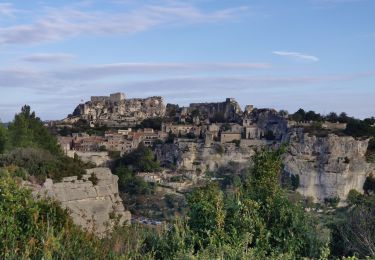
{"x": 42, "y": 164}
{"x": 333, "y": 202}
{"x": 354, "y": 197}
{"x": 40, "y": 229}
{"x": 369, "y": 185}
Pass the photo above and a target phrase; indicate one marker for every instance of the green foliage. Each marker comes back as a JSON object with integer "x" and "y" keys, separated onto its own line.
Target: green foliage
{"x": 31, "y": 229}
{"x": 219, "y": 149}
{"x": 332, "y": 117}
{"x": 360, "y": 128}
{"x": 207, "y": 214}
{"x": 27, "y": 130}
{"x": 115, "y": 155}
{"x": 290, "y": 181}
{"x": 354, "y": 197}
{"x": 242, "y": 223}
{"x": 141, "y": 159}
{"x": 3, "y": 138}
{"x": 369, "y": 185}
{"x": 354, "y": 234}
{"x": 370, "y": 153}
{"x": 102, "y": 148}
{"x": 170, "y": 138}
{"x": 332, "y": 202}
{"x": 43, "y": 164}
{"x": 294, "y": 181}
{"x": 132, "y": 184}
{"x": 301, "y": 115}
{"x": 265, "y": 174}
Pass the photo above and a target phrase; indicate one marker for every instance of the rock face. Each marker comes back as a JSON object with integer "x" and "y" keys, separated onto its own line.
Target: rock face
{"x": 196, "y": 157}
{"x": 269, "y": 120}
{"x": 99, "y": 159}
{"x": 328, "y": 167}
{"x": 116, "y": 111}
{"x": 93, "y": 201}
{"x": 230, "y": 109}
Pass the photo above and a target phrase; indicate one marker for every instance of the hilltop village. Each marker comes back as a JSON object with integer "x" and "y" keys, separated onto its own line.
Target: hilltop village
{"x": 203, "y": 138}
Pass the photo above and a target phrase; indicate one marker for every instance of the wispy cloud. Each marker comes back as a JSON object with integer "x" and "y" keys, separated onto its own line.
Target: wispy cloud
{"x": 56, "y": 24}
{"x": 332, "y": 3}
{"x": 48, "y": 57}
{"x": 7, "y": 9}
{"x": 297, "y": 56}
{"x": 118, "y": 69}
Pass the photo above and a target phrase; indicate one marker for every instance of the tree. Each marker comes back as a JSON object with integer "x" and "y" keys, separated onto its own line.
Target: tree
{"x": 207, "y": 213}
{"x": 332, "y": 117}
{"x": 141, "y": 159}
{"x": 357, "y": 230}
{"x": 299, "y": 115}
{"x": 3, "y": 138}
{"x": 343, "y": 118}
{"x": 312, "y": 116}
{"x": 27, "y": 130}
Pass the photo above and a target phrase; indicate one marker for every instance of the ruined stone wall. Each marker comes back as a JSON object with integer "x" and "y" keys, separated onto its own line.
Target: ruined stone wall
{"x": 230, "y": 109}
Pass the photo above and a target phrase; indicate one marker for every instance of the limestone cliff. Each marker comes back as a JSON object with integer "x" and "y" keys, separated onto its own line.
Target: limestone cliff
{"x": 329, "y": 166}
{"x": 122, "y": 112}
{"x": 198, "y": 157}
{"x": 92, "y": 201}
{"x": 230, "y": 110}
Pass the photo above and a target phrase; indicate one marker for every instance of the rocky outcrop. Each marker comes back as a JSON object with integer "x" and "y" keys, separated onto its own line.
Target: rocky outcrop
{"x": 99, "y": 159}
{"x": 270, "y": 121}
{"x": 328, "y": 167}
{"x": 93, "y": 201}
{"x": 230, "y": 110}
{"x": 189, "y": 155}
{"x": 120, "y": 112}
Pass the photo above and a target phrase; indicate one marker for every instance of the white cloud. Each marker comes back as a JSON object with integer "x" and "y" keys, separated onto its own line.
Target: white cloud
{"x": 6, "y": 9}
{"x": 297, "y": 56}
{"x": 117, "y": 69}
{"x": 57, "y": 24}
{"x": 48, "y": 57}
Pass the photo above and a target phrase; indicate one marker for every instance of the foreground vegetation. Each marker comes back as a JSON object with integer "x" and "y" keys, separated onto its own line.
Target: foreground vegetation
{"x": 30, "y": 151}
{"x": 246, "y": 216}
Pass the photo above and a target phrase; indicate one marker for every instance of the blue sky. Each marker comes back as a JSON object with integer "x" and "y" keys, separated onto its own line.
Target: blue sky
{"x": 315, "y": 54}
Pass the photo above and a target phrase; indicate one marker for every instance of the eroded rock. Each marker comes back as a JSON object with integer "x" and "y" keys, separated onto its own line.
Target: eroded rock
{"x": 93, "y": 201}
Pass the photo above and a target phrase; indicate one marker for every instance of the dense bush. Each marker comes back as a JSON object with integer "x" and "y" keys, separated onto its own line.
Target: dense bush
{"x": 27, "y": 130}
{"x": 39, "y": 229}
{"x": 369, "y": 185}
{"x": 130, "y": 183}
{"x": 359, "y": 128}
{"x": 42, "y": 164}
{"x": 354, "y": 234}
{"x": 141, "y": 159}
{"x": 301, "y": 115}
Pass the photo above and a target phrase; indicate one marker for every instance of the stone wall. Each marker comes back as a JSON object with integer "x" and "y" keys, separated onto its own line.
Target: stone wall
{"x": 91, "y": 201}
{"x": 230, "y": 109}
